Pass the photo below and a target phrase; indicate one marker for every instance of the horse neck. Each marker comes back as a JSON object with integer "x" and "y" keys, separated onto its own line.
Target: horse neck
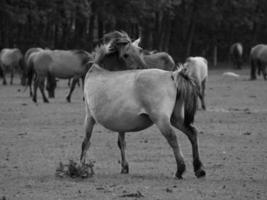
{"x": 112, "y": 62}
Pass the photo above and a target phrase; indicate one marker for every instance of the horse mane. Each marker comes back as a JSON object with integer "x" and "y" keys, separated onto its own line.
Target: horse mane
{"x": 108, "y": 37}
{"x": 188, "y": 90}
{"x": 100, "y": 52}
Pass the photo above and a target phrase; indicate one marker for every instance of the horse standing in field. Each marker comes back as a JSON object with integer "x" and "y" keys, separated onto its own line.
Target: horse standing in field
{"x": 28, "y": 63}
{"x": 197, "y": 67}
{"x": 258, "y": 61}
{"x": 236, "y": 53}
{"x": 133, "y": 100}
{"x": 61, "y": 64}
{"x": 10, "y": 60}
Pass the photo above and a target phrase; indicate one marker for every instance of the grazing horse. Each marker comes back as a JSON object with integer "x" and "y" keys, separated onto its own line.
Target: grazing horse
{"x": 61, "y": 64}
{"x": 133, "y": 100}
{"x": 10, "y": 60}
{"x": 197, "y": 67}
{"x": 158, "y": 60}
{"x": 236, "y": 53}
{"x": 258, "y": 61}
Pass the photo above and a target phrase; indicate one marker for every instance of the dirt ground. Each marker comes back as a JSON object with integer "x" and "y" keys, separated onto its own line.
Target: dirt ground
{"x": 34, "y": 138}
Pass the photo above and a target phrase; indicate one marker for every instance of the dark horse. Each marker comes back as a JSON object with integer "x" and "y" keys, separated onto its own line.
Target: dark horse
{"x": 53, "y": 64}
{"x": 132, "y": 100}
{"x": 258, "y": 61}
{"x": 236, "y": 53}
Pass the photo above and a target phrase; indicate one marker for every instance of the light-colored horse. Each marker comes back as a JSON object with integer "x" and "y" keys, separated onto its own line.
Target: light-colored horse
{"x": 197, "y": 67}
{"x": 158, "y": 60}
{"x": 10, "y": 60}
{"x": 28, "y": 56}
{"x": 258, "y": 61}
{"x": 236, "y": 53}
{"x": 61, "y": 64}
{"x": 132, "y": 100}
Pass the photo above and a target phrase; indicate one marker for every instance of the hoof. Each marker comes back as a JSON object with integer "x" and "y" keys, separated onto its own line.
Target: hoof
{"x": 179, "y": 177}
{"x": 180, "y": 171}
{"x": 200, "y": 173}
{"x": 125, "y": 170}
{"x": 68, "y": 99}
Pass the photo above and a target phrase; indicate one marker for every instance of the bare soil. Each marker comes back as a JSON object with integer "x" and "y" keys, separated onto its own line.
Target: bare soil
{"x": 34, "y": 138}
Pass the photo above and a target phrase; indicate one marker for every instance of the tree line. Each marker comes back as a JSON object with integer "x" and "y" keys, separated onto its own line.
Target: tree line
{"x": 180, "y": 27}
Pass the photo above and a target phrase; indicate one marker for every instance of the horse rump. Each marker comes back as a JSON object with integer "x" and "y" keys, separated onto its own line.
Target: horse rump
{"x": 187, "y": 90}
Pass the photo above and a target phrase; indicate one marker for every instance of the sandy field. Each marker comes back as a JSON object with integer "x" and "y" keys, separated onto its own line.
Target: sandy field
{"x": 34, "y": 138}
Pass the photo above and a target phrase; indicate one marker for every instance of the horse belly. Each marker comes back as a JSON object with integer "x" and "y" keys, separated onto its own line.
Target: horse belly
{"x": 64, "y": 71}
{"x": 129, "y": 123}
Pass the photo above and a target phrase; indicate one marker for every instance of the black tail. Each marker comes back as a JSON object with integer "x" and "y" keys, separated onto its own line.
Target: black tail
{"x": 30, "y": 73}
{"x": 188, "y": 90}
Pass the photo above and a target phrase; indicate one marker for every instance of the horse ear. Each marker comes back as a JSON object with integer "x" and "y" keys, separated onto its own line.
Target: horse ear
{"x": 136, "y": 42}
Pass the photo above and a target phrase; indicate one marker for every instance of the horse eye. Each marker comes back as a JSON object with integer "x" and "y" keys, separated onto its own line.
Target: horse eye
{"x": 125, "y": 55}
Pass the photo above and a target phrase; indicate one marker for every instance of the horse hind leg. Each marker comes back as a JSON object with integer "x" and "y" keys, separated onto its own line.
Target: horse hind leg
{"x": 41, "y": 82}
{"x": 165, "y": 128}
{"x": 89, "y": 123}
{"x": 122, "y": 147}
{"x": 191, "y": 133}
{"x": 35, "y": 85}
{"x": 73, "y": 83}
{"x": 202, "y": 94}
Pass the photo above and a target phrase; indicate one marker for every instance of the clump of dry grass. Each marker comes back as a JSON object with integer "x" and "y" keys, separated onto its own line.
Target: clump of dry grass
{"x": 75, "y": 170}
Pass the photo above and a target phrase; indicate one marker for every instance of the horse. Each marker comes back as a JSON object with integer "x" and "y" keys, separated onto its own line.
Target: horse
{"x": 28, "y": 62}
{"x": 124, "y": 98}
{"x": 236, "y": 53}
{"x": 197, "y": 67}
{"x": 52, "y": 64}
{"x": 258, "y": 61}
{"x": 10, "y": 60}
{"x": 159, "y": 60}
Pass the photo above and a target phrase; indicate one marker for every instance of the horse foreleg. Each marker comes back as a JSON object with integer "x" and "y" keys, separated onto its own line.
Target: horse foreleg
{"x": 4, "y": 74}
{"x": 167, "y": 131}
{"x": 74, "y": 81}
{"x": 122, "y": 147}
{"x": 41, "y": 82}
{"x": 264, "y": 73}
{"x": 11, "y": 76}
{"x": 89, "y": 123}
{"x": 253, "y": 69}
{"x": 191, "y": 133}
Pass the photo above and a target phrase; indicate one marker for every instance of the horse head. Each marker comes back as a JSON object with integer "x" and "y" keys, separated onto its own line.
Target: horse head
{"x": 119, "y": 53}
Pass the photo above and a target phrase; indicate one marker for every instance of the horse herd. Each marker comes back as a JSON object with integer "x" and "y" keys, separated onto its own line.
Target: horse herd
{"x": 126, "y": 89}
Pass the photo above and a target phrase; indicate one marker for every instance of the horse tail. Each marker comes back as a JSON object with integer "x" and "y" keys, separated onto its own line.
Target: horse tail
{"x": 188, "y": 90}
{"x": 30, "y": 72}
